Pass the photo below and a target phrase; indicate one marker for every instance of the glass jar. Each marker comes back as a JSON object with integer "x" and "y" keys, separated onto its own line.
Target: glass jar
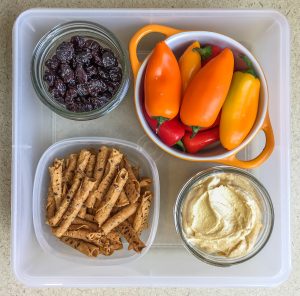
{"x": 266, "y": 208}
{"x": 45, "y": 49}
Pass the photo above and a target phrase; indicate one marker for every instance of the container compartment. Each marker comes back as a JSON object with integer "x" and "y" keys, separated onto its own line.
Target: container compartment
{"x": 61, "y": 149}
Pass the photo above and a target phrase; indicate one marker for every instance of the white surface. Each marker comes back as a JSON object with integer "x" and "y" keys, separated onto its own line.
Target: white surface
{"x": 49, "y": 243}
{"x": 167, "y": 262}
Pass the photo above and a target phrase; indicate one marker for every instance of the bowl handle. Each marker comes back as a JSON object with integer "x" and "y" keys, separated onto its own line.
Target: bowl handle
{"x": 262, "y": 157}
{"x": 139, "y": 35}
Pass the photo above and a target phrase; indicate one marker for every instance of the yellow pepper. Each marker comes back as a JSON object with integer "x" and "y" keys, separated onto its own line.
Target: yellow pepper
{"x": 189, "y": 64}
{"x": 239, "y": 110}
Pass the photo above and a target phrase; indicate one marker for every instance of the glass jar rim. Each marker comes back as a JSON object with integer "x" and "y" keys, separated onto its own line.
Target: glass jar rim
{"x": 54, "y": 36}
{"x": 221, "y": 261}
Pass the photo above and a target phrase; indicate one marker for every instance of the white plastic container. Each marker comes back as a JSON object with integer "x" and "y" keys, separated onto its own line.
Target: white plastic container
{"x": 266, "y": 34}
{"x": 49, "y": 243}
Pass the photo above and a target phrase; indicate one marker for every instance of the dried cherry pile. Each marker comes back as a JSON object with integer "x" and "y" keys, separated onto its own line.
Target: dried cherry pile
{"x": 82, "y": 75}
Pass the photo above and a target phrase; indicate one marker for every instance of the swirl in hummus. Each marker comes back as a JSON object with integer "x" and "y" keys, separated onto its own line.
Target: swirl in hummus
{"x": 222, "y": 216}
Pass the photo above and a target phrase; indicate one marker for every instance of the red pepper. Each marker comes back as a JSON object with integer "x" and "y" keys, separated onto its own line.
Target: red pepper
{"x": 216, "y": 123}
{"x": 201, "y": 140}
{"x": 240, "y": 62}
{"x": 170, "y": 131}
{"x": 215, "y": 50}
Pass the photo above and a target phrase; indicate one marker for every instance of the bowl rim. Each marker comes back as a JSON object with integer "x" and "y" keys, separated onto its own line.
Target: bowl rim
{"x": 37, "y": 223}
{"x": 56, "y": 31}
{"x": 190, "y": 157}
{"x": 181, "y": 198}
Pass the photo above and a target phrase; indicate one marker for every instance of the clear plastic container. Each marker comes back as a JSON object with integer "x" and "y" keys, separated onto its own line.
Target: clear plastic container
{"x": 49, "y": 243}
{"x": 264, "y": 201}
{"x": 167, "y": 263}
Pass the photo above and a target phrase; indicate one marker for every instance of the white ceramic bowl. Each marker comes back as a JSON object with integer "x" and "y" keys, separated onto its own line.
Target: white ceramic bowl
{"x": 49, "y": 243}
{"x": 178, "y": 41}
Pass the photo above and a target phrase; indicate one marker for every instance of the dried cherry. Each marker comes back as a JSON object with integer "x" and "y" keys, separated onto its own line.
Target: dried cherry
{"x": 65, "y": 51}
{"x": 82, "y": 75}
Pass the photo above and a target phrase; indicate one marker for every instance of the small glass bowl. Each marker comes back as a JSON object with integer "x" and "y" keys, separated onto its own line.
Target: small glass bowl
{"x": 45, "y": 49}
{"x": 266, "y": 209}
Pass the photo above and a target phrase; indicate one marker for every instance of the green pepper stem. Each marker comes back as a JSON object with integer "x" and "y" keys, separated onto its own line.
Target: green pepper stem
{"x": 205, "y": 52}
{"x": 160, "y": 121}
{"x": 180, "y": 145}
{"x": 195, "y": 130}
{"x": 247, "y": 61}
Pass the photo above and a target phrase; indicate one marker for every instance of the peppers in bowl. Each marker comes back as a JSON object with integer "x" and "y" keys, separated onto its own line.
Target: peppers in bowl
{"x": 163, "y": 91}
{"x": 178, "y": 42}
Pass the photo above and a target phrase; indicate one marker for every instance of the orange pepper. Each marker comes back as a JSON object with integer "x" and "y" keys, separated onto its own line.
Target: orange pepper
{"x": 239, "y": 110}
{"x": 189, "y": 64}
{"x": 162, "y": 84}
{"x": 206, "y": 93}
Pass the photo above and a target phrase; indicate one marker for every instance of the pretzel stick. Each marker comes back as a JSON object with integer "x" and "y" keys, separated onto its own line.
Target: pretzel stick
{"x": 81, "y": 165}
{"x": 74, "y": 207}
{"x": 113, "y": 194}
{"x": 89, "y": 173}
{"x": 50, "y": 206}
{"x": 106, "y": 245}
{"x": 91, "y": 166}
{"x": 67, "y": 199}
{"x": 81, "y": 246}
{"x": 131, "y": 236}
{"x": 112, "y": 167}
{"x": 112, "y": 239}
{"x": 118, "y": 218}
{"x": 115, "y": 240}
{"x": 69, "y": 172}
{"x": 142, "y": 213}
{"x": 122, "y": 200}
{"x": 145, "y": 185}
{"x": 83, "y": 159}
{"x": 132, "y": 186}
{"x": 102, "y": 158}
{"x": 98, "y": 173}
{"x": 56, "y": 180}
{"x": 82, "y": 234}
{"x": 78, "y": 227}
{"x": 93, "y": 226}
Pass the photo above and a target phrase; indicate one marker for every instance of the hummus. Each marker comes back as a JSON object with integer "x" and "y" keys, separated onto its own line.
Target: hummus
{"x": 221, "y": 215}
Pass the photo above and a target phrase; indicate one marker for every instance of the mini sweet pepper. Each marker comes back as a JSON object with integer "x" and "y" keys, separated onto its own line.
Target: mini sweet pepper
{"x": 162, "y": 84}
{"x": 189, "y": 63}
{"x": 240, "y": 108}
{"x": 201, "y": 140}
{"x": 170, "y": 131}
{"x": 206, "y": 93}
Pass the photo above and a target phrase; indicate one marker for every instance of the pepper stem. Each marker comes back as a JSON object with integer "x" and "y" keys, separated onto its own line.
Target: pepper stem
{"x": 205, "y": 52}
{"x": 195, "y": 130}
{"x": 247, "y": 61}
{"x": 160, "y": 120}
{"x": 180, "y": 146}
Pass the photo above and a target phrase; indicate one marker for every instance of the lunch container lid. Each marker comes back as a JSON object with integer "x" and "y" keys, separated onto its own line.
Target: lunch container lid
{"x": 35, "y": 128}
